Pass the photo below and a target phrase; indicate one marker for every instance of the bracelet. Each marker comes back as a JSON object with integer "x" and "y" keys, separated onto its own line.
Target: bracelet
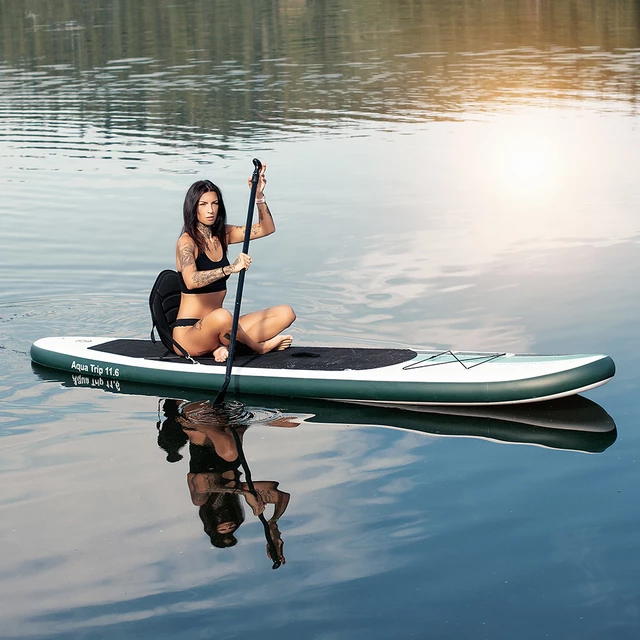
{"x": 263, "y": 201}
{"x": 223, "y": 272}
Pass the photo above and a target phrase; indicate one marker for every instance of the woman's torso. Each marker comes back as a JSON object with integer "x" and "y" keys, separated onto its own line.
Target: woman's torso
{"x": 198, "y": 305}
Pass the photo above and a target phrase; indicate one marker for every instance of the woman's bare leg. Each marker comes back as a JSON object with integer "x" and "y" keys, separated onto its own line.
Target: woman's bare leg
{"x": 267, "y": 324}
{"x": 212, "y": 333}
{"x": 204, "y": 336}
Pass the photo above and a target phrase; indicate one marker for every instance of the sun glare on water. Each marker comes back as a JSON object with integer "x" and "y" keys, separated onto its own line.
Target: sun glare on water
{"x": 527, "y": 165}
{"x": 526, "y": 176}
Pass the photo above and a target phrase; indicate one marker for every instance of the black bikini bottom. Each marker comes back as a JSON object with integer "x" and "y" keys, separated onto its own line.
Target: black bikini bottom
{"x": 186, "y": 322}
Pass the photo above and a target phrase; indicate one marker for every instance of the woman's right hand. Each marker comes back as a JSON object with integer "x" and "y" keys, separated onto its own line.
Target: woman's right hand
{"x": 241, "y": 262}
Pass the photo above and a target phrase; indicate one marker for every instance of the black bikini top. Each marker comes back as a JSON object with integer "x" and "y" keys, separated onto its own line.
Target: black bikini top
{"x": 205, "y": 459}
{"x": 204, "y": 263}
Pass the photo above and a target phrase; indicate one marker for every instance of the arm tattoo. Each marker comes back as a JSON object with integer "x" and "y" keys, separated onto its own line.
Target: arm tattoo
{"x": 203, "y": 278}
{"x": 200, "y": 278}
{"x": 186, "y": 257}
{"x": 255, "y": 228}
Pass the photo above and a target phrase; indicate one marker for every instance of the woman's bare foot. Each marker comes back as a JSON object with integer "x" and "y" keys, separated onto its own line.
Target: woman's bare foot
{"x": 279, "y": 343}
{"x": 285, "y": 421}
{"x": 221, "y": 353}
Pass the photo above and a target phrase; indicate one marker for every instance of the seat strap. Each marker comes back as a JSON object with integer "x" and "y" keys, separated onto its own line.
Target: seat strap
{"x": 176, "y": 344}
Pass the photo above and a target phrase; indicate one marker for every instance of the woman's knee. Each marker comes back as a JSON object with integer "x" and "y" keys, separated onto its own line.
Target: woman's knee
{"x": 219, "y": 319}
{"x": 287, "y": 314}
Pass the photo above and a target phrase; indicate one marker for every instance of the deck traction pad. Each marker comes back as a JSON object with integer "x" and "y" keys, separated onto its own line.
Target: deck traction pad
{"x": 301, "y": 358}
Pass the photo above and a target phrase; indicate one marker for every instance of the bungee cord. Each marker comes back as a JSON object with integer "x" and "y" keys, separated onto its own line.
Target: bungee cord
{"x": 427, "y": 361}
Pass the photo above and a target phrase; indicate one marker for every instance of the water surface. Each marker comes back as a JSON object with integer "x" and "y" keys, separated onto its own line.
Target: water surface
{"x": 441, "y": 174}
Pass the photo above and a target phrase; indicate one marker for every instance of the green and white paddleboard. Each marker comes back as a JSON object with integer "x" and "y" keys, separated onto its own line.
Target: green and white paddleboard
{"x": 388, "y": 376}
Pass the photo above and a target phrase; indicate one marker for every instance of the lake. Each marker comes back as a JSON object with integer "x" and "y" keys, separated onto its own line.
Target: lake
{"x": 442, "y": 174}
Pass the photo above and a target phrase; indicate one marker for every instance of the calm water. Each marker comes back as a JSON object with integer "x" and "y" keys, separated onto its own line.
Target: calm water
{"x": 446, "y": 174}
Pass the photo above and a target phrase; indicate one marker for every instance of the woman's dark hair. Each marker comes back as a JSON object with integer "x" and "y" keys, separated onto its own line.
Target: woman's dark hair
{"x": 219, "y": 508}
{"x": 190, "y": 213}
{"x": 171, "y": 436}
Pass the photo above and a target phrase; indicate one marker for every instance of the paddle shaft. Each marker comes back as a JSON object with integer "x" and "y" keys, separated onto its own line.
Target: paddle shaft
{"x": 236, "y": 309}
{"x": 247, "y": 474}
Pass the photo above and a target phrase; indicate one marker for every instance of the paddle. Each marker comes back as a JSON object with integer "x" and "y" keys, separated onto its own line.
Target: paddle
{"x": 236, "y": 310}
{"x": 273, "y": 552}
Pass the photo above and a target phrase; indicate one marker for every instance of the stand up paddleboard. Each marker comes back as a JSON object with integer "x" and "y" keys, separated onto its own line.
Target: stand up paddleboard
{"x": 571, "y": 424}
{"x": 387, "y": 376}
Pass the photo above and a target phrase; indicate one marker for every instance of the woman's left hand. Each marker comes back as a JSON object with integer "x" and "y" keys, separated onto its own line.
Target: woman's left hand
{"x": 262, "y": 181}
{"x": 278, "y": 543}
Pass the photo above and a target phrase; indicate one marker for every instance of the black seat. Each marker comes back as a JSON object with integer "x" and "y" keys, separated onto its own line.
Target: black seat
{"x": 164, "y": 302}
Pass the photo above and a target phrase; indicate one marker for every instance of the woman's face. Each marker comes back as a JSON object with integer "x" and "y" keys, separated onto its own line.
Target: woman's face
{"x": 208, "y": 208}
{"x": 226, "y": 527}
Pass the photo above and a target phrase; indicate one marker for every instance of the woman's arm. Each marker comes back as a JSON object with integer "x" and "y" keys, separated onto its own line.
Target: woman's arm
{"x": 199, "y": 495}
{"x": 194, "y": 279}
{"x": 268, "y": 493}
{"x": 265, "y": 225}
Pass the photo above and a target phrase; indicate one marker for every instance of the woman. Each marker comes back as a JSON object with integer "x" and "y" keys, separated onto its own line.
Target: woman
{"x": 202, "y": 325}
{"x": 214, "y": 477}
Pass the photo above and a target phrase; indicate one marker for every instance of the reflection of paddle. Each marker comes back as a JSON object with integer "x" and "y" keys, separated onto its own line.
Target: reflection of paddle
{"x": 236, "y": 310}
{"x": 273, "y": 552}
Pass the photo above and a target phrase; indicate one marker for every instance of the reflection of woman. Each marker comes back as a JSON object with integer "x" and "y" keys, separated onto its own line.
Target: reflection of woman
{"x": 213, "y": 484}
{"x": 203, "y": 325}
{"x": 214, "y": 478}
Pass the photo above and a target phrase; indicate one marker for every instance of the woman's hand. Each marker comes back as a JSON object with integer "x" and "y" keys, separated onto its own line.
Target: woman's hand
{"x": 262, "y": 182}
{"x": 278, "y": 543}
{"x": 256, "y": 503}
{"x": 241, "y": 262}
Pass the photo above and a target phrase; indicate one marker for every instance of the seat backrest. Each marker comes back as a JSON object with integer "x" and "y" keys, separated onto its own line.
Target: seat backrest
{"x": 164, "y": 302}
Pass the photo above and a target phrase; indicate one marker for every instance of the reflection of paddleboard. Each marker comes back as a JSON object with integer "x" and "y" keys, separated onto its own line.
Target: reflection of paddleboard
{"x": 394, "y": 376}
{"x": 574, "y": 423}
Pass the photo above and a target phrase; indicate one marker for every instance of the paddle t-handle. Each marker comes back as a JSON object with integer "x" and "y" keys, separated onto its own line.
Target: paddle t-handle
{"x": 236, "y": 309}
{"x": 255, "y": 176}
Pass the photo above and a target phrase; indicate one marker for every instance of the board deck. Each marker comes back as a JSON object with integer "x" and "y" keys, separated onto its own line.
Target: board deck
{"x": 389, "y": 376}
{"x": 294, "y": 358}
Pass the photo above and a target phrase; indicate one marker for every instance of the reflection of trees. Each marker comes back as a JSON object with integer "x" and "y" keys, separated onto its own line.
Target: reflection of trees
{"x": 212, "y": 65}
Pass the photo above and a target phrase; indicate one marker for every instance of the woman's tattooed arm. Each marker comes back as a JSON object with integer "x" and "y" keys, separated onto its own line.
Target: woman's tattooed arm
{"x": 265, "y": 224}
{"x": 190, "y": 274}
{"x": 203, "y": 278}
{"x": 264, "y": 227}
